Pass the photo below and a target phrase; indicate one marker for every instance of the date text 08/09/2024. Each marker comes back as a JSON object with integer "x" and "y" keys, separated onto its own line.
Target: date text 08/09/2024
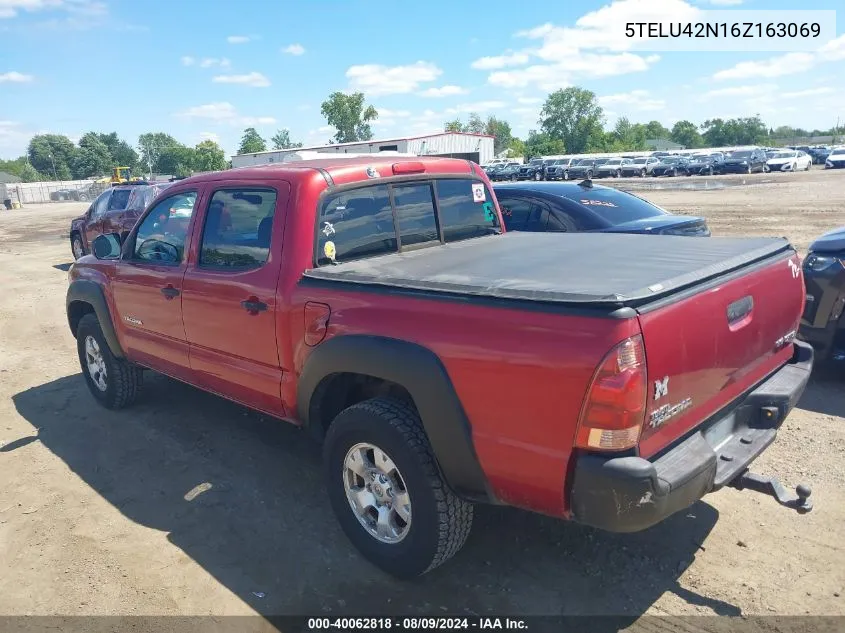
{"x": 722, "y": 29}
{"x": 416, "y": 624}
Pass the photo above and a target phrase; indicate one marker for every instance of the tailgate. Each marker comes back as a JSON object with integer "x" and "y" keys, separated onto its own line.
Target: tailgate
{"x": 705, "y": 348}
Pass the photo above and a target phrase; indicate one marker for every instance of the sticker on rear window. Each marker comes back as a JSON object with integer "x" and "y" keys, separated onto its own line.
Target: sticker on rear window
{"x": 478, "y": 194}
{"x": 330, "y": 251}
{"x": 489, "y": 214}
{"x": 598, "y": 203}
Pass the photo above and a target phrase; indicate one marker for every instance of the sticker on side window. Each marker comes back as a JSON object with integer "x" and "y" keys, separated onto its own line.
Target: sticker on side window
{"x": 489, "y": 214}
{"x": 478, "y": 194}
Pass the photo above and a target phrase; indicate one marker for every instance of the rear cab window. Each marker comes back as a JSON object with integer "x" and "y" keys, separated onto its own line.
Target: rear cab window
{"x": 386, "y": 218}
{"x": 119, "y": 199}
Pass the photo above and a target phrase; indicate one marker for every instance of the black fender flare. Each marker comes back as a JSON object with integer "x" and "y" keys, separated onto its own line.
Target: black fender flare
{"x": 87, "y": 291}
{"x": 420, "y": 371}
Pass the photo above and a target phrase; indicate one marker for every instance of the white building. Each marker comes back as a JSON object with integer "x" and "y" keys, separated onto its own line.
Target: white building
{"x": 475, "y": 147}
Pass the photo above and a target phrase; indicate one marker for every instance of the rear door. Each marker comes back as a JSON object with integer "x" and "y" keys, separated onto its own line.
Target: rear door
{"x": 229, "y": 293}
{"x": 706, "y": 349}
{"x": 148, "y": 283}
{"x": 94, "y": 223}
{"x": 118, "y": 202}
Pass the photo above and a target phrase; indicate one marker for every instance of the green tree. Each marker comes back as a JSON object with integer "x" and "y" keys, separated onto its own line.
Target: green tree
{"x": 655, "y": 129}
{"x": 281, "y": 140}
{"x": 542, "y": 144}
{"x": 474, "y": 124}
{"x": 178, "y": 160}
{"x": 152, "y": 144}
{"x": 573, "y": 116}
{"x": 52, "y": 155}
{"x": 349, "y": 116}
{"x": 121, "y": 152}
{"x": 252, "y": 142}
{"x": 209, "y": 156}
{"x": 628, "y": 136}
{"x": 741, "y": 131}
{"x": 92, "y": 159}
{"x": 500, "y": 131}
{"x": 686, "y": 133}
{"x": 30, "y": 174}
{"x": 454, "y": 126}
{"x": 516, "y": 147}
{"x": 13, "y": 167}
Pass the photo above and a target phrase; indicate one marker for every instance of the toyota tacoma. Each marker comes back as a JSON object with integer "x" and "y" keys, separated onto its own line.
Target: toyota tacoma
{"x": 378, "y": 304}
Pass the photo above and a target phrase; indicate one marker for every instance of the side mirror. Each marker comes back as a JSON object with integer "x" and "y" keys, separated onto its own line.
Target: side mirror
{"x": 106, "y": 246}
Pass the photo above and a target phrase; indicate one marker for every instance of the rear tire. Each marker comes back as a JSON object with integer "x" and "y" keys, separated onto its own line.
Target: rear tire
{"x": 589, "y": 175}
{"x": 565, "y": 175}
{"x": 642, "y": 173}
{"x": 538, "y": 176}
{"x": 513, "y": 178}
{"x": 438, "y": 521}
{"x": 618, "y": 174}
{"x": 112, "y": 381}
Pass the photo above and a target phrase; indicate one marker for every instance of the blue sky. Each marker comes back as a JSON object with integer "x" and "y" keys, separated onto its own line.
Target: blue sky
{"x": 208, "y": 68}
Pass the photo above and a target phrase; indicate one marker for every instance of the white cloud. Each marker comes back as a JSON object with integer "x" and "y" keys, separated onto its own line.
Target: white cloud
{"x": 375, "y": 79}
{"x": 788, "y": 64}
{"x": 810, "y": 92}
{"x": 15, "y": 78}
{"x": 325, "y": 128}
{"x": 562, "y": 75}
{"x": 509, "y": 58}
{"x": 224, "y": 112}
{"x": 741, "y": 91}
{"x": 187, "y": 60}
{"x": 636, "y": 100}
{"x": 253, "y": 80}
{"x": 214, "y": 62}
{"x": 389, "y": 118}
{"x": 210, "y": 136}
{"x": 443, "y": 91}
{"x": 834, "y": 50}
{"x": 722, "y": 3}
{"x": 294, "y": 49}
{"x": 238, "y": 39}
{"x": 478, "y": 107}
{"x": 529, "y": 100}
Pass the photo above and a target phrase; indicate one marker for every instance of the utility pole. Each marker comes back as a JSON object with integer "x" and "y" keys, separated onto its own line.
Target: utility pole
{"x": 56, "y": 176}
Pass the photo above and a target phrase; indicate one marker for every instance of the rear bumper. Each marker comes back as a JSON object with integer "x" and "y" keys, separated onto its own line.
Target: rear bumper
{"x": 628, "y": 494}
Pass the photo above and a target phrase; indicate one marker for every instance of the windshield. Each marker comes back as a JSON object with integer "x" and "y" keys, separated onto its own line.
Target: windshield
{"x": 740, "y": 154}
{"x": 613, "y": 161}
{"x": 536, "y": 161}
{"x": 670, "y": 160}
{"x": 781, "y": 154}
{"x": 838, "y": 152}
{"x": 640, "y": 161}
{"x": 585, "y": 161}
{"x": 614, "y": 206}
{"x": 601, "y": 161}
{"x": 699, "y": 157}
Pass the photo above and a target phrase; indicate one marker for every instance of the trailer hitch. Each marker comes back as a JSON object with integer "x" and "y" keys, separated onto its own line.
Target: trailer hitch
{"x": 801, "y": 501}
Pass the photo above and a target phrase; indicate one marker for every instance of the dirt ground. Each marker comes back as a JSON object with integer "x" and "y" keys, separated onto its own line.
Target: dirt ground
{"x": 99, "y": 511}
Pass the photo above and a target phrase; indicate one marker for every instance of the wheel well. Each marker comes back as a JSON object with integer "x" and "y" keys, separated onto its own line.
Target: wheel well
{"x": 75, "y": 311}
{"x": 336, "y": 392}
{"x": 75, "y": 232}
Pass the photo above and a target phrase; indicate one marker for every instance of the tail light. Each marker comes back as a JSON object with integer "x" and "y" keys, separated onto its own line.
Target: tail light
{"x": 614, "y": 410}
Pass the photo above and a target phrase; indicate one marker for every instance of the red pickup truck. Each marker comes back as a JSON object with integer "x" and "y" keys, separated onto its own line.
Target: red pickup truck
{"x": 378, "y": 303}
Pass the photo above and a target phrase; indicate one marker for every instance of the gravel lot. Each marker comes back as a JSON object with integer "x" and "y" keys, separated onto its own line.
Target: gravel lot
{"x": 94, "y": 516}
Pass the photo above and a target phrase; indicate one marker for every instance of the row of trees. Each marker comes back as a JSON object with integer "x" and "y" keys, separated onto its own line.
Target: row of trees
{"x": 571, "y": 121}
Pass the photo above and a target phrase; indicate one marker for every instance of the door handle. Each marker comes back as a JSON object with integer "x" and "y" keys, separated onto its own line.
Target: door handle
{"x": 253, "y": 305}
{"x": 169, "y": 292}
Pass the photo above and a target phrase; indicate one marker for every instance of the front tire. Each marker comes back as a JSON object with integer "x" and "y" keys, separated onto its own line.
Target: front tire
{"x": 642, "y": 173}
{"x": 376, "y": 452}
{"x": 538, "y": 176}
{"x": 112, "y": 381}
{"x": 589, "y": 175}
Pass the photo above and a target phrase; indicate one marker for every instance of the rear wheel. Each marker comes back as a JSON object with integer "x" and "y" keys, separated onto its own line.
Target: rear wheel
{"x": 642, "y": 173}
{"x": 538, "y": 176}
{"x": 618, "y": 174}
{"x": 766, "y": 169}
{"x": 565, "y": 175}
{"x": 76, "y": 246}
{"x": 748, "y": 169}
{"x": 710, "y": 171}
{"x": 589, "y": 175}
{"x": 112, "y": 381}
{"x": 807, "y": 168}
{"x": 513, "y": 178}
{"x": 387, "y": 492}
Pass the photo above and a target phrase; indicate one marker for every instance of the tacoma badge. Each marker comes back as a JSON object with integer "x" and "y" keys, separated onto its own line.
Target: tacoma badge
{"x": 665, "y": 413}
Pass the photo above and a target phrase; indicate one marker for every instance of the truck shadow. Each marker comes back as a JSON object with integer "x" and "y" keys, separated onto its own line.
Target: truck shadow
{"x": 265, "y": 526}
{"x": 824, "y": 393}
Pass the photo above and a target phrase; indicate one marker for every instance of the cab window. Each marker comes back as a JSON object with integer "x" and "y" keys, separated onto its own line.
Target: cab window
{"x": 119, "y": 199}
{"x": 162, "y": 233}
{"x": 237, "y": 230}
{"x": 100, "y": 204}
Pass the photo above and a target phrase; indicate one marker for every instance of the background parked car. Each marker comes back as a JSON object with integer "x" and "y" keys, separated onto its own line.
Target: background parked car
{"x": 836, "y": 159}
{"x": 508, "y": 172}
{"x": 671, "y": 166}
{"x": 641, "y": 166}
{"x": 570, "y": 207}
{"x": 114, "y": 211}
{"x": 788, "y": 160}
{"x": 819, "y": 154}
{"x": 745, "y": 161}
{"x": 585, "y": 168}
{"x": 705, "y": 164}
{"x": 558, "y": 169}
{"x": 533, "y": 170}
{"x": 612, "y": 167}
{"x": 824, "y": 277}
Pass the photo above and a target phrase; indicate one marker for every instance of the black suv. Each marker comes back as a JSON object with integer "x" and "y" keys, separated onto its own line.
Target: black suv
{"x": 745, "y": 161}
{"x": 824, "y": 277}
{"x": 534, "y": 170}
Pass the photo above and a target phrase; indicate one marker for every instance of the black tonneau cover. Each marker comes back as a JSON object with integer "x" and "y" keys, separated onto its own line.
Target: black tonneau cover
{"x": 607, "y": 269}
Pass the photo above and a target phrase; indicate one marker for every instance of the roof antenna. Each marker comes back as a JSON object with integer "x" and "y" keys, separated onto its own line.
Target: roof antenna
{"x": 586, "y": 183}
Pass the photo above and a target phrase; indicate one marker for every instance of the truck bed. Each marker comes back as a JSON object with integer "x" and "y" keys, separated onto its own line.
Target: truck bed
{"x": 606, "y": 270}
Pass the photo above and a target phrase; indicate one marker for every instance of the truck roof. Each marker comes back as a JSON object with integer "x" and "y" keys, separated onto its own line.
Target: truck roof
{"x": 341, "y": 170}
